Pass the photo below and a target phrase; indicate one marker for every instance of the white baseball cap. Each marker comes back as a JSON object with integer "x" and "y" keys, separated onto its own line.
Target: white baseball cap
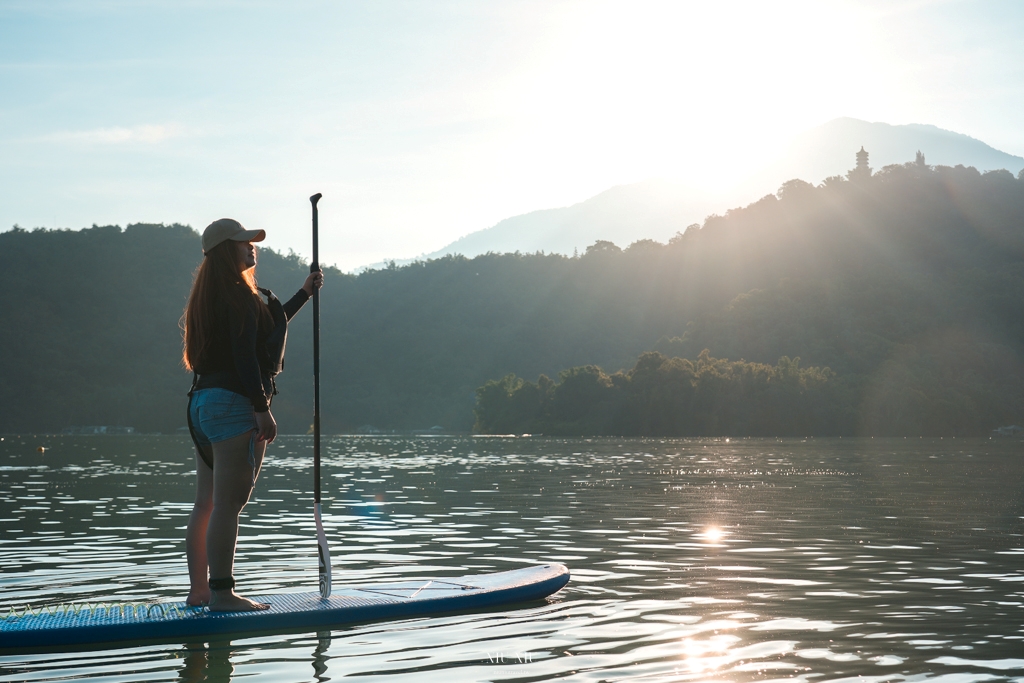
{"x": 229, "y": 229}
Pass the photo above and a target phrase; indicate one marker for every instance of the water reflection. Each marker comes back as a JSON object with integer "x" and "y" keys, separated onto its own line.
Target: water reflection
{"x": 692, "y": 560}
{"x": 323, "y": 643}
{"x": 206, "y": 663}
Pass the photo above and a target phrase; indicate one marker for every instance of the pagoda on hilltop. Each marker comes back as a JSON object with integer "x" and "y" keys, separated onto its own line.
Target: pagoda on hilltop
{"x": 862, "y": 170}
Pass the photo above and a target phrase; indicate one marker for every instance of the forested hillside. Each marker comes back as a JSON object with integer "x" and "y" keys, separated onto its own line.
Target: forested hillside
{"x": 908, "y": 285}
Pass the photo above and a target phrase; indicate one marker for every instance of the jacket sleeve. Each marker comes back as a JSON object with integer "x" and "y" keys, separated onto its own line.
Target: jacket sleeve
{"x": 243, "y": 349}
{"x": 292, "y": 306}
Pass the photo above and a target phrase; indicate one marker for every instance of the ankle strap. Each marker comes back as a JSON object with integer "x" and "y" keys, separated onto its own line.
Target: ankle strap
{"x": 222, "y": 584}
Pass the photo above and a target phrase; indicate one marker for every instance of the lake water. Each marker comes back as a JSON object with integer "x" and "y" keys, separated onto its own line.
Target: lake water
{"x": 817, "y": 560}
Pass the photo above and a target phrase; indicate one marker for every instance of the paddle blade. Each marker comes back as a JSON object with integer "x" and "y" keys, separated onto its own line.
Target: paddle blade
{"x": 324, "y": 554}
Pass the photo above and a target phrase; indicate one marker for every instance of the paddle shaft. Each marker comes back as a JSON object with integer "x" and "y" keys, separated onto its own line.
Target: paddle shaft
{"x": 323, "y": 551}
{"x": 313, "y": 267}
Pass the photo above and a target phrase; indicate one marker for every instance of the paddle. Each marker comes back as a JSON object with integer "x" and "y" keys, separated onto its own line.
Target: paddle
{"x": 321, "y": 538}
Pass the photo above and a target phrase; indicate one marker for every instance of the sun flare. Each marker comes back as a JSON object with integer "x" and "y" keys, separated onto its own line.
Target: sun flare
{"x": 668, "y": 88}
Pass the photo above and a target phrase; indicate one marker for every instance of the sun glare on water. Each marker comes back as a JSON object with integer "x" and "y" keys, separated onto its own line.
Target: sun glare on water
{"x": 712, "y": 534}
{"x": 706, "y": 655}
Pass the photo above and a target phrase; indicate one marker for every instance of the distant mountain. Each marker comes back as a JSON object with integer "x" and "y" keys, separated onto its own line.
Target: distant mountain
{"x": 653, "y": 209}
{"x": 657, "y": 209}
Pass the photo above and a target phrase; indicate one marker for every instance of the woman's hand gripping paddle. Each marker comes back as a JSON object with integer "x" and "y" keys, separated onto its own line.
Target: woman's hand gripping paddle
{"x": 323, "y": 551}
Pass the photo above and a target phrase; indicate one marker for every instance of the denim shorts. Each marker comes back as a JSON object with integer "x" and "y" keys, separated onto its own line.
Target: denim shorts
{"x": 219, "y": 415}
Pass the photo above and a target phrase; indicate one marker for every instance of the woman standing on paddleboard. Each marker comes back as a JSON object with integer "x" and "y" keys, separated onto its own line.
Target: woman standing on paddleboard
{"x": 234, "y": 343}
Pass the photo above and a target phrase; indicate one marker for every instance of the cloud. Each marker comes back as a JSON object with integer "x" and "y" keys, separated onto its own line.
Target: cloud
{"x": 118, "y": 135}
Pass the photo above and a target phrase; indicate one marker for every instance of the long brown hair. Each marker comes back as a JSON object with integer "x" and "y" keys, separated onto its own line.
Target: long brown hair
{"x": 219, "y": 275}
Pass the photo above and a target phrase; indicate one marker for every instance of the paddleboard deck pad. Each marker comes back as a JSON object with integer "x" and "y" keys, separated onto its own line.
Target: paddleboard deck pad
{"x": 117, "y": 624}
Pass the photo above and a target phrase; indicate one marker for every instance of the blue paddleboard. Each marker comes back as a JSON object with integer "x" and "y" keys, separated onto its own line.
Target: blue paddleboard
{"x": 118, "y": 624}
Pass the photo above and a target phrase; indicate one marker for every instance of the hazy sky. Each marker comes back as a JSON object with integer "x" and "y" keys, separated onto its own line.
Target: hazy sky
{"x": 423, "y": 121}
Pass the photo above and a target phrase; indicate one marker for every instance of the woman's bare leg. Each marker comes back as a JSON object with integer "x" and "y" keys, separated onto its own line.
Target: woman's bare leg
{"x": 234, "y": 476}
{"x": 195, "y": 537}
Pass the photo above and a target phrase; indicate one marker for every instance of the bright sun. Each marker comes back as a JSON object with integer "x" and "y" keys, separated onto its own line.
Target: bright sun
{"x": 686, "y": 89}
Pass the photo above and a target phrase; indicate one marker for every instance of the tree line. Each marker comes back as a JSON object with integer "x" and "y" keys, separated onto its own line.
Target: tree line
{"x": 908, "y": 285}
{"x": 662, "y": 396}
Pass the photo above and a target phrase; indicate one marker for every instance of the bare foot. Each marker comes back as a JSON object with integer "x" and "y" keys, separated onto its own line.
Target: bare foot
{"x": 229, "y": 601}
{"x": 198, "y": 598}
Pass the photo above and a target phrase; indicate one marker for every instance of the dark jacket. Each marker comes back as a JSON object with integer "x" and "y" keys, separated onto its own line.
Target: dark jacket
{"x": 231, "y": 361}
